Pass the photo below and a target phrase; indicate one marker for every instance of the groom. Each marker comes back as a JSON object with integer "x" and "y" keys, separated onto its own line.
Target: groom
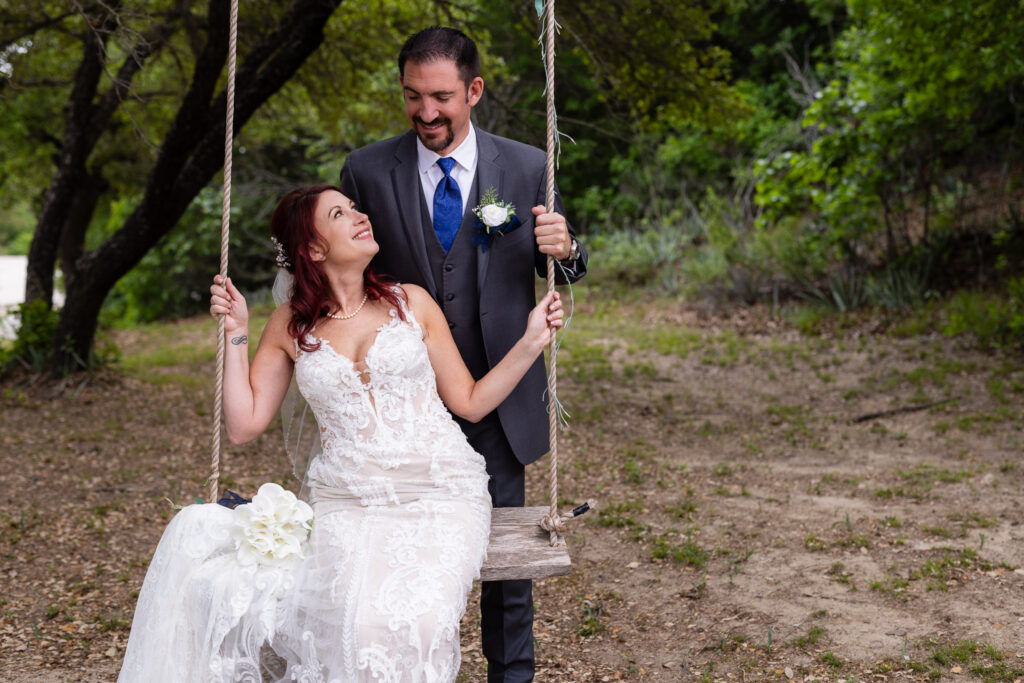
{"x": 419, "y": 189}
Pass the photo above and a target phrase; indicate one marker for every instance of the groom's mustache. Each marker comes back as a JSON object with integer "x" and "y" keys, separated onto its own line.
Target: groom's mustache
{"x": 439, "y": 119}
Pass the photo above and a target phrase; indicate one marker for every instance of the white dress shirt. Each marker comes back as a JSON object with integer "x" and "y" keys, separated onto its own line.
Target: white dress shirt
{"x": 464, "y": 170}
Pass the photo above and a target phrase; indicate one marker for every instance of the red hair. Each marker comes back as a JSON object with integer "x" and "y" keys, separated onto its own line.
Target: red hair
{"x": 293, "y": 226}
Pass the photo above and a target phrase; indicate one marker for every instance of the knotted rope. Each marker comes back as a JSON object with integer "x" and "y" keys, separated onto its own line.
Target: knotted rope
{"x": 225, "y": 221}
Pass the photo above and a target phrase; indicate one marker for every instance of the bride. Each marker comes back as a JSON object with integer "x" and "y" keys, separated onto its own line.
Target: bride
{"x": 400, "y": 508}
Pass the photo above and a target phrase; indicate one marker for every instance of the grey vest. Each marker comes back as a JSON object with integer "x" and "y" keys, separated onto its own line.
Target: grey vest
{"x": 455, "y": 275}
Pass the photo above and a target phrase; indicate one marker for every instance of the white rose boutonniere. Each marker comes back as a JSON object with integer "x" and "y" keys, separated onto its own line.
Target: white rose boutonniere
{"x": 273, "y": 528}
{"x": 493, "y": 217}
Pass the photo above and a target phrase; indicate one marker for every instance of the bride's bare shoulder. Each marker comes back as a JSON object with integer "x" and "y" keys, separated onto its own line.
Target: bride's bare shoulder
{"x": 276, "y": 330}
{"x": 281, "y": 316}
{"x": 418, "y": 300}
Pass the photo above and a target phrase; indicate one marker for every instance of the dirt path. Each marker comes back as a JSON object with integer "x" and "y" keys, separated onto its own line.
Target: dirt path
{"x": 749, "y": 529}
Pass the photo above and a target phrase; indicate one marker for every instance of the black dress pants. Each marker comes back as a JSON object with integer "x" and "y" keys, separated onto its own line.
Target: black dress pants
{"x": 506, "y": 607}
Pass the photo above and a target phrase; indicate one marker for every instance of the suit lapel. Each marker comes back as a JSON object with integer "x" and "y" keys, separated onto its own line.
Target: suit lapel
{"x": 408, "y": 197}
{"x": 488, "y": 174}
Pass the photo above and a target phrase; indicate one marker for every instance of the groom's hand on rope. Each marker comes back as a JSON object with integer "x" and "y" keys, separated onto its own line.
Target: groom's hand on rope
{"x": 552, "y": 234}
{"x": 227, "y": 301}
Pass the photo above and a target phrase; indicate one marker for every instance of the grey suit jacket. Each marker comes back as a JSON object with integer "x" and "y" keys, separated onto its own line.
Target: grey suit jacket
{"x": 383, "y": 180}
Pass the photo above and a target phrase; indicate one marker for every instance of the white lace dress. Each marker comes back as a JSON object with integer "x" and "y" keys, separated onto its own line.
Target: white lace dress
{"x": 402, "y": 517}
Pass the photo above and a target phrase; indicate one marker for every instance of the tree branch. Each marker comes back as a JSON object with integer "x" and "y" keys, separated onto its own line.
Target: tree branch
{"x": 31, "y": 29}
{"x": 193, "y": 148}
{"x": 195, "y": 38}
{"x": 109, "y": 101}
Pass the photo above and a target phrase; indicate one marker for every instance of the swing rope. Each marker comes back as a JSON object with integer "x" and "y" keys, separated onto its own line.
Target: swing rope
{"x": 225, "y": 223}
{"x": 553, "y": 522}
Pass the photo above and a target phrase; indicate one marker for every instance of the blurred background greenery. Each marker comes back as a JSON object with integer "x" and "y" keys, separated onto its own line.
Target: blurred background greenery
{"x": 839, "y": 155}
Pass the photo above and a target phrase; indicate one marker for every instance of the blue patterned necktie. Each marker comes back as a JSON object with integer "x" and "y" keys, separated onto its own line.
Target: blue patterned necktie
{"x": 447, "y": 205}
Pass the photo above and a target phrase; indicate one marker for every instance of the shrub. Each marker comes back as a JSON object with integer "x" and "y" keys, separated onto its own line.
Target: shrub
{"x": 993, "y": 319}
{"x": 31, "y": 347}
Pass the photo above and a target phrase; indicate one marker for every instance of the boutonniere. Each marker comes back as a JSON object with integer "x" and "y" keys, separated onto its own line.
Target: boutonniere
{"x": 493, "y": 217}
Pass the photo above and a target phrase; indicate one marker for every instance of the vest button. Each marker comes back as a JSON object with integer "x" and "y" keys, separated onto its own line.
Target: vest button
{"x": 448, "y": 268}
{"x": 449, "y": 296}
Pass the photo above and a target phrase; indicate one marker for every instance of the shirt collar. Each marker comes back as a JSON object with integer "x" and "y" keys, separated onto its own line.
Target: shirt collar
{"x": 464, "y": 154}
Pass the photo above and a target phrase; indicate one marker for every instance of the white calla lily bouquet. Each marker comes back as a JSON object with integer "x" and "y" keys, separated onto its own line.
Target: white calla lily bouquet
{"x": 273, "y": 528}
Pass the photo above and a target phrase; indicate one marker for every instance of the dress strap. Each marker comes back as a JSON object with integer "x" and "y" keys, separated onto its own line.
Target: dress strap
{"x": 403, "y": 303}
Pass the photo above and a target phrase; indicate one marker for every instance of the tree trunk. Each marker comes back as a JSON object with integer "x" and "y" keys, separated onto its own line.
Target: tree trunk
{"x": 190, "y": 155}
{"x": 58, "y": 198}
{"x": 72, "y": 237}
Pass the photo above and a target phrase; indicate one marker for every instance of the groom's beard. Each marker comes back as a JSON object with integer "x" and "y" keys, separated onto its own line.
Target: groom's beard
{"x": 438, "y": 142}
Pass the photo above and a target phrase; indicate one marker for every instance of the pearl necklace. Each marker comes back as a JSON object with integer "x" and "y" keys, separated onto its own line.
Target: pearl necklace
{"x": 366, "y": 295}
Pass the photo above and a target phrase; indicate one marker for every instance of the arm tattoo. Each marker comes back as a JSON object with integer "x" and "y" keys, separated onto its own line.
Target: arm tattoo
{"x": 240, "y": 340}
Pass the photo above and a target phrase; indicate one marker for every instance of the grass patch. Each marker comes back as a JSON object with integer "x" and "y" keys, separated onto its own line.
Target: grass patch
{"x": 938, "y": 571}
{"x": 793, "y": 419}
{"x": 983, "y": 660}
{"x": 837, "y": 572}
{"x": 684, "y": 509}
{"x": 617, "y": 514}
{"x": 633, "y": 473}
{"x": 829, "y": 658}
{"x": 592, "y": 619}
{"x": 812, "y": 637}
{"x": 687, "y": 552}
{"x": 815, "y": 544}
{"x": 982, "y": 423}
{"x": 919, "y": 481}
{"x": 587, "y": 363}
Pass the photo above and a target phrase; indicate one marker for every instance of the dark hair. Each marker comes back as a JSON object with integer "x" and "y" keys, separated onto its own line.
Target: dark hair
{"x": 441, "y": 43}
{"x": 293, "y": 225}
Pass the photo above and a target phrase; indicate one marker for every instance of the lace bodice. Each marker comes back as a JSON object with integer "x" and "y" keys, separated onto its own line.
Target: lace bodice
{"x": 386, "y": 434}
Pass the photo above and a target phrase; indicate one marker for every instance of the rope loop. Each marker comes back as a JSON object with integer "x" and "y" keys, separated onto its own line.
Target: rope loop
{"x": 555, "y": 524}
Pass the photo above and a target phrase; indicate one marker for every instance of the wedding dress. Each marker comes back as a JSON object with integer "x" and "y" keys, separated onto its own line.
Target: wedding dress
{"x": 400, "y": 529}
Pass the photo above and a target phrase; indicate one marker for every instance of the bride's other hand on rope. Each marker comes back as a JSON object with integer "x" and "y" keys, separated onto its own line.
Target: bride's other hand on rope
{"x": 544, "y": 319}
{"x": 227, "y": 301}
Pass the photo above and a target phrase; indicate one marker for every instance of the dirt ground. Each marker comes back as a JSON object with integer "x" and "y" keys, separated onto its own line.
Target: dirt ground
{"x": 773, "y": 506}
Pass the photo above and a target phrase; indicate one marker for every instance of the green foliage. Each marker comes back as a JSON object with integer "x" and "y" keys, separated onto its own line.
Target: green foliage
{"x": 16, "y": 223}
{"x": 647, "y": 260}
{"x": 655, "y": 56}
{"x": 31, "y": 347}
{"x": 902, "y": 285}
{"x": 993, "y": 319}
{"x": 844, "y": 291}
{"x": 878, "y": 135}
{"x": 173, "y": 279}
{"x": 739, "y": 149}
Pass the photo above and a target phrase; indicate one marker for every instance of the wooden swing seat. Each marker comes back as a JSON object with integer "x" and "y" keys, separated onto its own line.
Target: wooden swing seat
{"x": 520, "y": 549}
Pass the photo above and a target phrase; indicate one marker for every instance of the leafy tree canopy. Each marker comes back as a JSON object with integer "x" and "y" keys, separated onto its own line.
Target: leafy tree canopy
{"x": 920, "y": 90}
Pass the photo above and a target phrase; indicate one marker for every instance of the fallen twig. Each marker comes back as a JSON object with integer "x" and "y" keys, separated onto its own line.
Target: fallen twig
{"x": 898, "y": 411}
